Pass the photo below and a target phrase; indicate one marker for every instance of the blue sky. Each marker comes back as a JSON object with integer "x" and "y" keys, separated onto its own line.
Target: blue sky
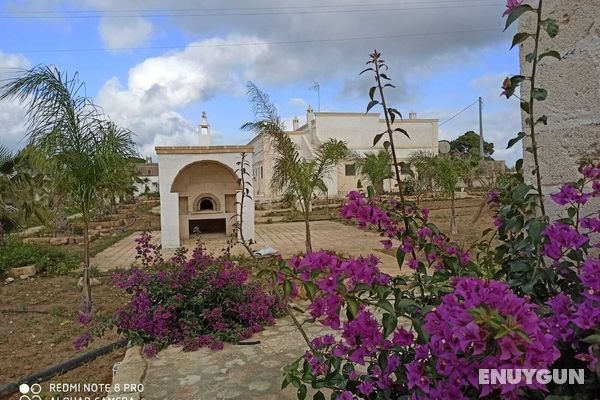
{"x": 155, "y": 65}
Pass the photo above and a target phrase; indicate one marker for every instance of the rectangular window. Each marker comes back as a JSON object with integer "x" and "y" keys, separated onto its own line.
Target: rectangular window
{"x": 261, "y": 173}
{"x": 350, "y": 170}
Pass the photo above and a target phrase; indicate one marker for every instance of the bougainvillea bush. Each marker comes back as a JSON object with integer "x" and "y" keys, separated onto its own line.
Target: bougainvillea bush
{"x": 527, "y": 296}
{"x": 198, "y": 302}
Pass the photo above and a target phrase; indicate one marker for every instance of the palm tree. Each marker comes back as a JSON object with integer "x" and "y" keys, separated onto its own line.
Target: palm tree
{"x": 21, "y": 189}
{"x": 71, "y": 131}
{"x": 376, "y": 168}
{"x": 296, "y": 177}
{"x": 445, "y": 171}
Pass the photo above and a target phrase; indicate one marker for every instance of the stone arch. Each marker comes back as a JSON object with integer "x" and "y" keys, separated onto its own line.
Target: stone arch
{"x": 201, "y": 203}
{"x": 223, "y": 173}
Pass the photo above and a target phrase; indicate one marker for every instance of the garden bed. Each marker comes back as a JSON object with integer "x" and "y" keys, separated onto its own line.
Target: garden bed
{"x": 40, "y": 325}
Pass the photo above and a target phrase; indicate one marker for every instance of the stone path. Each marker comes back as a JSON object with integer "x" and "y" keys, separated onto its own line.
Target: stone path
{"x": 236, "y": 372}
{"x": 287, "y": 238}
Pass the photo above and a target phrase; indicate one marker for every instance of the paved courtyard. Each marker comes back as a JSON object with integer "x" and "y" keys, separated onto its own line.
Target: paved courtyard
{"x": 286, "y": 238}
{"x": 236, "y": 372}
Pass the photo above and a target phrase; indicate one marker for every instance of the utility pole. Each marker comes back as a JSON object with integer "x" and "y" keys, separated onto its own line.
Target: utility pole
{"x": 481, "y": 150}
{"x": 317, "y": 87}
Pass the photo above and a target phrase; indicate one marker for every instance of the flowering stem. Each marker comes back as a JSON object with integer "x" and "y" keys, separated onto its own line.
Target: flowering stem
{"x": 389, "y": 127}
{"x": 532, "y": 122}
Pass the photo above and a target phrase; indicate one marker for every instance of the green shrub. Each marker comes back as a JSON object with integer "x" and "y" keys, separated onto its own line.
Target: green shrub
{"x": 52, "y": 260}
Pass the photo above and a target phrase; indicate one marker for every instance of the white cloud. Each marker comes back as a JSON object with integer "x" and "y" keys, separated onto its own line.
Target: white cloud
{"x": 12, "y": 113}
{"x": 158, "y": 86}
{"x": 118, "y": 33}
{"x": 298, "y": 102}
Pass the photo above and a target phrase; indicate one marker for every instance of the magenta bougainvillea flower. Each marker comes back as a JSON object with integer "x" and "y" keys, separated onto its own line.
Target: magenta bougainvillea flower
{"x": 460, "y": 341}
{"x": 511, "y": 5}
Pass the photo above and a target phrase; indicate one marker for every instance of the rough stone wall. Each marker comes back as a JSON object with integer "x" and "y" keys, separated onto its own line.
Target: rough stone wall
{"x": 573, "y": 84}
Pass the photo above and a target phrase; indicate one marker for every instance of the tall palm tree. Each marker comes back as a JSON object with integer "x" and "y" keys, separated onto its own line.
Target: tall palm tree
{"x": 375, "y": 167}
{"x": 298, "y": 178}
{"x": 445, "y": 171}
{"x": 71, "y": 131}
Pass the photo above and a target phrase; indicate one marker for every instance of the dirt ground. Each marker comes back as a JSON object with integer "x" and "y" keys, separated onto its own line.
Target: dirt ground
{"x": 40, "y": 324}
{"x": 469, "y": 227}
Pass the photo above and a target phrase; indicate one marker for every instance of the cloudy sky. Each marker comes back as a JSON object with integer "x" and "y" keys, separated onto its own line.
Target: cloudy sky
{"x": 155, "y": 65}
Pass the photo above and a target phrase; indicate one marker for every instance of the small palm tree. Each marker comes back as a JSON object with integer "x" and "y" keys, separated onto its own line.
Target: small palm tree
{"x": 87, "y": 152}
{"x": 376, "y": 168}
{"x": 297, "y": 178}
{"x": 21, "y": 189}
{"x": 445, "y": 171}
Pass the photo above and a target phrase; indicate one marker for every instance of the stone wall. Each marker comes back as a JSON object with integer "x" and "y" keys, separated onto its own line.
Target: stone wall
{"x": 573, "y": 84}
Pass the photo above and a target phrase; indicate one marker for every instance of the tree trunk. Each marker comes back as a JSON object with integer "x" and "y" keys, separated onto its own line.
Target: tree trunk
{"x": 453, "y": 227}
{"x": 308, "y": 241}
{"x": 86, "y": 292}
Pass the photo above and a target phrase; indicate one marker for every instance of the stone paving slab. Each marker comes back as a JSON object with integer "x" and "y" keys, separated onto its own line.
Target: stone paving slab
{"x": 286, "y": 237}
{"x": 236, "y": 372}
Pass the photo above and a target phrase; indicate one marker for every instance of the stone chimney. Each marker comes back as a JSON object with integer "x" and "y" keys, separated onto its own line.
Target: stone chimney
{"x": 204, "y": 131}
{"x": 412, "y": 115}
{"x": 310, "y": 115}
{"x": 148, "y": 160}
{"x": 295, "y": 123}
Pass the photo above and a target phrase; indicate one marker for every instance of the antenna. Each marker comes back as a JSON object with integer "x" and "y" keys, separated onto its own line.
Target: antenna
{"x": 317, "y": 87}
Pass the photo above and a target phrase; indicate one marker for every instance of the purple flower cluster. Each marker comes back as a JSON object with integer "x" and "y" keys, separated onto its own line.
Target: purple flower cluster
{"x": 461, "y": 329}
{"x": 331, "y": 273}
{"x": 561, "y": 238}
{"x": 367, "y": 214}
{"x": 195, "y": 302}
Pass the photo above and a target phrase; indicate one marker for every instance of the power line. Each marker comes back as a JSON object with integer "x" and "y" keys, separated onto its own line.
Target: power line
{"x": 458, "y": 113}
{"x": 234, "y": 14}
{"x": 274, "y": 43}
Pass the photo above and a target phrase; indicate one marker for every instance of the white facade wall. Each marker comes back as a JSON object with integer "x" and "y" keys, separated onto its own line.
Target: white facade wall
{"x": 358, "y": 131}
{"x": 172, "y": 160}
{"x": 140, "y": 188}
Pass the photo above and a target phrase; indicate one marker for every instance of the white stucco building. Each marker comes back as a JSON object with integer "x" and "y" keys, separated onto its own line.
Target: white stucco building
{"x": 200, "y": 188}
{"x": 357, "y": 130}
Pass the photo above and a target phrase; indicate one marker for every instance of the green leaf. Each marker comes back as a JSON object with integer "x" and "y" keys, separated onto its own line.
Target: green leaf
{"x": 519, "y": 165}
{"x": 389, "y": 324}
{"x": 520, "y": 191}
{"x": 386, "y": 144}
{"x": 525, "y": 107}
{"x": 514, "y": 141}
{"x": 406, "y": 303}
{"x": 551, "y": 27}
{"x": 592, "y": 339}
{"x": 540, "y": 94}
{"x": 302, "y": 392}
{"x": 287, "y": 288}
{"x": 520, "y": 38}
{"x": 377, "y": 138}
{"x": 311, "y": 289}
{"x": 372, "y": 104}
{"x": 551, "y": 53}
{"x": 319, "y": 396}
{"x": 370, "y": 191}
{"x": 529, "y": 57}
{"x": 372, "y": 92}
{"x": 516, "y": 13}
{"x": 284, "y": 384}
{"x": 386, "y": 305}
{"x": 365, "y": 70}
{"x": 543, "y": 119}
{"x": 352, "y": 306}
{"x": 400, "y": 257}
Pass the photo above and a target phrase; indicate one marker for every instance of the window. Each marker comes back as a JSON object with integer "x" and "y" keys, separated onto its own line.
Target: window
{"x": 350, "y": 169}
{"x": 261, "y": 173}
